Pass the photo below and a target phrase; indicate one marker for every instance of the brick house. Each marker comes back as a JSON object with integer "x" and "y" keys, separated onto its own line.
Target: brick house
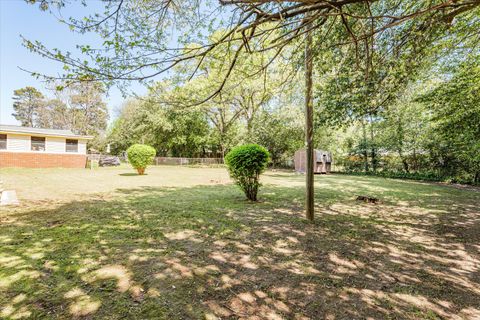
{"x": 41, "y": 148}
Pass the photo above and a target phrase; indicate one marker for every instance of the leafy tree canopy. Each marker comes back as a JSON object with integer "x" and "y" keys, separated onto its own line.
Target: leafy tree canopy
{"x": 138, "y": 35}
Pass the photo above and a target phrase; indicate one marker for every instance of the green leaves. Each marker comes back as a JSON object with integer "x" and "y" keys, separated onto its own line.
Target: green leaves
{"x": 140, "y": 156}
{"x": 172, "y": 132}
{"x": 245, "y": 164}
{"x": 455, "y": 106}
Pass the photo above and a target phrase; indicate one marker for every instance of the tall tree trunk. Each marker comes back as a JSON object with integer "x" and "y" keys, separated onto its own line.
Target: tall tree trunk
{"x": 364, "y": 148}
{"x": 373, "y": 150}
{"x": 249, "y": 129}
{"x": 403, "y": 159}
{"x": 400, "y": 138}
{"x": 222, "y": 140}
{"x": 415, "y": 163}
{"x": 222, "y": 147}
{"x": 309, "y": 128}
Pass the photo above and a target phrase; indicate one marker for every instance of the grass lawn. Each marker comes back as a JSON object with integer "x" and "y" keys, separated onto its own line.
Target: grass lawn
{"x": 182, "y": 243}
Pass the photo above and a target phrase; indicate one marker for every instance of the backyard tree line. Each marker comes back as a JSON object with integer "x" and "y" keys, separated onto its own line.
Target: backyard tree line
{"x": 79, "y": 107}
{"x": 395, "y": 82}
{"x": 429, "y": 131}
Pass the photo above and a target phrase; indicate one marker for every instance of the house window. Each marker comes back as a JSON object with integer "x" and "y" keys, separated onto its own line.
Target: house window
{"x": 72, "y": 145}
{"x": 3, "y": 142}
{"x": 38, "y": 143}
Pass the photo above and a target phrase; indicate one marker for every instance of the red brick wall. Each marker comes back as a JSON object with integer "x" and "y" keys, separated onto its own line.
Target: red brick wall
{"x": 42, "y": 160}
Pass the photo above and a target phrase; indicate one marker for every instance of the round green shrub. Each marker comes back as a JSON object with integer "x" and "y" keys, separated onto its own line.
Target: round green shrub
{"x": 140, "y": 156}
{"x": 245, "y": 164}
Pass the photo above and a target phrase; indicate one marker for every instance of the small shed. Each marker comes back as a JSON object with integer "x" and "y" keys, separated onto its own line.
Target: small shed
{"x": 322, "y": 161}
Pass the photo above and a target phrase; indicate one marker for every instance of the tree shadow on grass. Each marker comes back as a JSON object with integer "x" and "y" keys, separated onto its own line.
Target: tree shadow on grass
{"x": 203, "y": 252}
{"x": 131, "y": 174}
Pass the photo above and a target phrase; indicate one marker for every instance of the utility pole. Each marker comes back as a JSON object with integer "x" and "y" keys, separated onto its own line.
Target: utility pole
{"x": 309, "y": 196}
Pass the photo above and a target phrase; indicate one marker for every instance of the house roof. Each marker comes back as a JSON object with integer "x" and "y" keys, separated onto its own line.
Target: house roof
{"x": 5, "y": 128}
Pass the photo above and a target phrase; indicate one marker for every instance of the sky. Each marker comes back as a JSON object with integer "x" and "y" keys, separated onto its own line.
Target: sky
{"x": 19, "y": 18}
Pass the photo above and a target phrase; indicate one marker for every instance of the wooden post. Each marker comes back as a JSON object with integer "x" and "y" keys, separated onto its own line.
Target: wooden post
{"x": 309, "y": 196}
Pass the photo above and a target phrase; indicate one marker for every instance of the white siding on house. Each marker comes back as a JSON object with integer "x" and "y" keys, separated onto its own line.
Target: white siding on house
{"x": 55, "y": 145}
{"x": 18, "y": 143}
{"x": 21, "y": 143}
{"x": 82, "y": 146}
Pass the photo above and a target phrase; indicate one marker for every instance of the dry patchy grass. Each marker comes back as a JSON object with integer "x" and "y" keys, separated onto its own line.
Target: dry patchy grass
{"x": 182, "y": 243}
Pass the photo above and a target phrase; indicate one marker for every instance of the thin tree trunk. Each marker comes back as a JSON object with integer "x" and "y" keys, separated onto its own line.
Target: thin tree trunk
{"x": 364, "y": 148}
{"x": 249, "y": 129}
{"x": 223, "y": 151}
{"x": 404, "y": 161}
{"x": 400, "y": 138}
{"x": 415, "y": 163}
{"x": 373, "y": 151}
{"x": 309, "y": 128}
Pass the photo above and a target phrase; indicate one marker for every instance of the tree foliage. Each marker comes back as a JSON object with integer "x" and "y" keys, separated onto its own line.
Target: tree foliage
{"x": 430, "y": 131}
{"x": 137, "y": 34}
{"x": 140, "y": 157}
{"x": 79, "y": 107}
{"x": 280, "y": 132}
{"x": 372, "y": 62}
{"x": 245, "y": 164}
{"x": 172, "y": 132}
{"x": 27, "y": 103}
{"x": 86, "y": 107}
{"x": 456, "y": 116}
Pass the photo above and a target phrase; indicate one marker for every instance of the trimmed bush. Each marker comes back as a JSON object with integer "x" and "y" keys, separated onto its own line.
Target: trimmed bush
{"x": 245, "y": 164}
{"x": 140, "y": 156}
